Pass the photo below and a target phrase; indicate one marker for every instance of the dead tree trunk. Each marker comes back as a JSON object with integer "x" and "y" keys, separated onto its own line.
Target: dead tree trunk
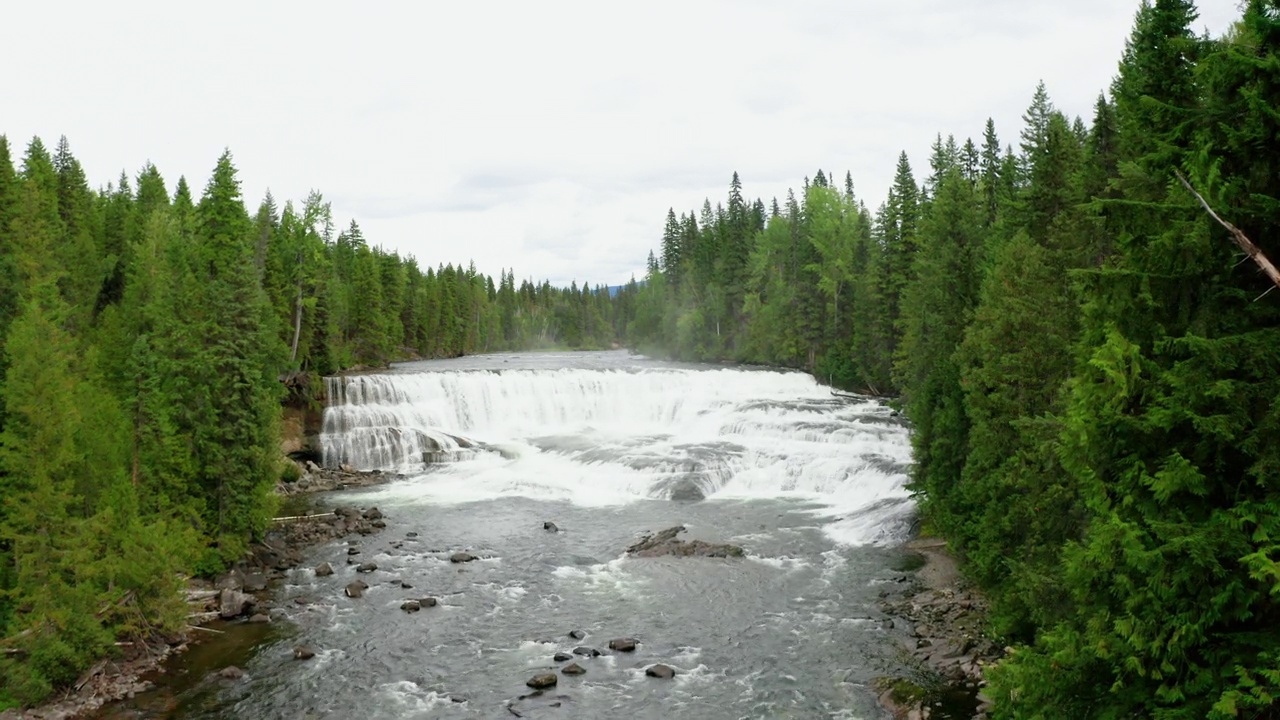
{"x": 1253, "y": 251}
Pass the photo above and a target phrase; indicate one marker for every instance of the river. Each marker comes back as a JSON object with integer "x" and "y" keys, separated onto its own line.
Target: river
{"x": 607, "y": 446}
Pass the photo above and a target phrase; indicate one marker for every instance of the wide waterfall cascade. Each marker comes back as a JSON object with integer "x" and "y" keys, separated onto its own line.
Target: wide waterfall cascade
{"x": 602, "y": 437}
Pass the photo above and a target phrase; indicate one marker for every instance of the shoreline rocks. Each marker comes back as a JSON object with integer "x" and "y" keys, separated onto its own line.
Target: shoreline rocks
{"x": 315, "y": 479}
{"x": 945, "y": 644}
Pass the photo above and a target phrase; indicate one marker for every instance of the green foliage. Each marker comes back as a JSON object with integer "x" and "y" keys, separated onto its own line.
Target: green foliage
{"x": 143, "y": 339}
{"x": 1090, "y": 369}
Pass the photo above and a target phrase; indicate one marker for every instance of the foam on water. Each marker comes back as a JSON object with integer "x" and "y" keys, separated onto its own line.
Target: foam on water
{"x": 608, "y": 437}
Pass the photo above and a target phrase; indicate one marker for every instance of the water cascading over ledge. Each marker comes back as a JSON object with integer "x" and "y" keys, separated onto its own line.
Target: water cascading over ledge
{"x": 614, "y": 435}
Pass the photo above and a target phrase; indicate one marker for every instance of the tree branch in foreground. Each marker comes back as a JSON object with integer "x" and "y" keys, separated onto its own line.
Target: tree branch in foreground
{"x": 1242, "y": 240}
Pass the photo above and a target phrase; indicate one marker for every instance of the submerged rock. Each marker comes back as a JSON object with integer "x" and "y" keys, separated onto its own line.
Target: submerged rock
{"x": 666, "y": 543}
{"x": 586, "y": 651}
{"x": 539, "y": 682}
{"x": 324, "y": 570}
{"x": 573, "y": 669}
{"x": 623, "y": 644}
{"x": 231, "y": 672}
{"x": 428, "y": 602}
{"x": 664, "y": 672}
{"x": 462, "y": 557}
{"x": 410, "y": 606}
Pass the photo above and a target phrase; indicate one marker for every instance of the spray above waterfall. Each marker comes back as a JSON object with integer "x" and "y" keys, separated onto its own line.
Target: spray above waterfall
{"x": 604, "y": 436}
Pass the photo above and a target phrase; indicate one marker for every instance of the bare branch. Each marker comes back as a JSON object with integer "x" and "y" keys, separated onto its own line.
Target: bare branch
{"x": 1241, "y": 239}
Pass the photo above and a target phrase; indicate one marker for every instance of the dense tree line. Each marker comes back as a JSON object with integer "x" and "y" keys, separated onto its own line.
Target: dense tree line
{"x": 1091, "y": 367}
{"x": 145, "y": 332}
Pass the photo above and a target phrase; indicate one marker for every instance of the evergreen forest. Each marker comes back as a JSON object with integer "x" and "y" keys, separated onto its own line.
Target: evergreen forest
{"x": 146, "y": 331}
{"x": 1090, "y": 362}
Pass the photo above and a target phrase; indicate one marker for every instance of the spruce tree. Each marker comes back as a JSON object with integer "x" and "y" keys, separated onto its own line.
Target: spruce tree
{"x": 230, "y": 395}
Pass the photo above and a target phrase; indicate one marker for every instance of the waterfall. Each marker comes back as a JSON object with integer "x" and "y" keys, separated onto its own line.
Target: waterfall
{"x": 610, "y": 436}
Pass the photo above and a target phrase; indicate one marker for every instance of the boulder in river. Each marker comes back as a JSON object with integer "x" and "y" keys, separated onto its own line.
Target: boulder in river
{"x": 665, "y": 672}
{"x": 302, "y": 652}
{"x": 548, "y": 525}
{"x": 462, "y": 557}
{"x": 324, "y": 570}
{"x": 573, "y": 669}
{"x": 366, "y": 567}
{"x": 577, "y": 634}
{"x": 410, "y": 606}
{"x": 353, "y": 551}
{"x": 561, "y": 657}
{"x": 231, "y": 672}
{"x": 233, "y": 603}
{"x": 666, "y": 543}
{"x": 373, "y": 513}
{"x": 623, "y": 644}
{"x": 539, "y": 682}
{"x": 428, "y": 602}
{"x": 586, "y": 651}
{"x": 355, "y": 589}
{"x": 260, "y": 618}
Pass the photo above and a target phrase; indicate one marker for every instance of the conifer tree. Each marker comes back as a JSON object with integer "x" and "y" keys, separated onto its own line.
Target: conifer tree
{"x": 230, "y": 395}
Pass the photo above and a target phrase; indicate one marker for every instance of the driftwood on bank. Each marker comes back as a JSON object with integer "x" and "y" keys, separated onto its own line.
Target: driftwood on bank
{"x": 1242, "y": 240}
{"x": 296, "y": 518}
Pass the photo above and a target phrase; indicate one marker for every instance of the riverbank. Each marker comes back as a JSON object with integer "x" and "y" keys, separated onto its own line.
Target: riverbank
{"x": 242, "y": 595}
{"x": 946, "y": 651}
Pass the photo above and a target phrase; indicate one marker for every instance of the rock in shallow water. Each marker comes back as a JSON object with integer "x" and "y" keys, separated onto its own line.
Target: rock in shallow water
{"x": 666, "y": 543}
{"x": 623, "y": 644}
{"x": 577, "y": 634}
{"x": 233, "y": 603}
{"x": 661, "y": 671}
{"x": 545, "y": 680}
{"x": 586, "y": 651}
{"x": 302, "y": 652}
{"x": 561, "y": 657}
{"x": 324, "y": 570}
{"x": 548, "y": 525}
{"x": 355, "y": 589}
{"x": 411, "y": 606}
{"x": 573, "y": 669}
{"x": 461, "y": 557}
{"x": 366, "y": 567}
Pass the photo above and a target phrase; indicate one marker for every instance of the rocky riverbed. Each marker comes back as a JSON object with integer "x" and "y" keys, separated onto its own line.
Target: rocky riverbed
{"x": 240, "y": 595}
{"x": 946, "y": 651}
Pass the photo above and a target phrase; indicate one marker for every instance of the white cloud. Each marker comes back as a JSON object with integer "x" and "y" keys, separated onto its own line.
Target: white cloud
{"x": 552, "y": 136}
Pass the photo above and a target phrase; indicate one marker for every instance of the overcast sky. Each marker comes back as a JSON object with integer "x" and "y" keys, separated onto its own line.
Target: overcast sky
{"x": 548, "y": 137}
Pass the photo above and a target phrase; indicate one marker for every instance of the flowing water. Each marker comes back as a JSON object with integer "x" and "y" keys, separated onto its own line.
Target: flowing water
{"x": 607, "y": 446}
